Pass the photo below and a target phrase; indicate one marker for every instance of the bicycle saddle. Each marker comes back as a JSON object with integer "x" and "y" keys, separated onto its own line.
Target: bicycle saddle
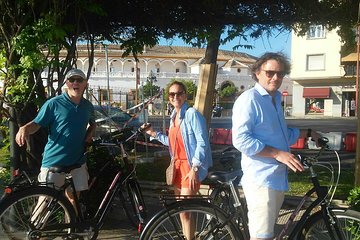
{"x": 221, "y": 176}
{"x": 64, "y": 169}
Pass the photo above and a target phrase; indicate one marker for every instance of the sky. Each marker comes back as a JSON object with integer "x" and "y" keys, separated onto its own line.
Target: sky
{"x": 278, "y": 43}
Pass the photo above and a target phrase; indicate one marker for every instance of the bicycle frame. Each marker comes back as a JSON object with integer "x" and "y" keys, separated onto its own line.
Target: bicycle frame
{"x": 328, "y": 217}
{"x": 95, "y": 222}
{"x": 321, "y": 192}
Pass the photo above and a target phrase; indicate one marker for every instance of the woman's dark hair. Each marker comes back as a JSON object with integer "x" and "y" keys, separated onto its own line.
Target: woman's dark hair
{"x": 181, "y": 84}
{"x": 279, "y": 57}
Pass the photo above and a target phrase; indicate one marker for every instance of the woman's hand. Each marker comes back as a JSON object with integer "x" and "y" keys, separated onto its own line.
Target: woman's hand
{"x": 147, "y": 128}
{"x": 192, "y": 176}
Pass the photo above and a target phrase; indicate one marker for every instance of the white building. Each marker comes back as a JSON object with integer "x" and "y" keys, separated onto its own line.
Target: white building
{"x": 320, "y": 86}
{"x": 167, "y": 63}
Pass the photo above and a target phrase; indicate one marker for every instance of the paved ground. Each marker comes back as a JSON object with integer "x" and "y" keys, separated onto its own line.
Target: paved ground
{"x": 117, "y": 226}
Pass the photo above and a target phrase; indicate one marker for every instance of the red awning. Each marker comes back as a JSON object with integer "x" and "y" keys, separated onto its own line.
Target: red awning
{"x": 316, "y": 92}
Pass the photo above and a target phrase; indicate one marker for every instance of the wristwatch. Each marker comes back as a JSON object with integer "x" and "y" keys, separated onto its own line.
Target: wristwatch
{"x": 195, "y": 168}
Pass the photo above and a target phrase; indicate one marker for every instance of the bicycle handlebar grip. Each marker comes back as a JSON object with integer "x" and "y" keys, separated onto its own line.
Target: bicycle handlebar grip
{"x": 323, "y": 141}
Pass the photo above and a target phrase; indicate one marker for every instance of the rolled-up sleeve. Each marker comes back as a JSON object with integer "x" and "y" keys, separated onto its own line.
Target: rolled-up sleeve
{"x": 244, "y": 122}
{"x": 163, "y": 138}
{"x": 293, "y": 135}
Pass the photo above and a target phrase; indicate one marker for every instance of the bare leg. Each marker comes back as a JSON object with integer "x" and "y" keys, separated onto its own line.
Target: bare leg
{"x": 70, "y": 196}
{"x": 187, "y": 222}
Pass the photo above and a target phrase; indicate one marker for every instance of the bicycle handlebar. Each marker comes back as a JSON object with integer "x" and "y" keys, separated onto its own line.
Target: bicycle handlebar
{"x": 308, "y": 161}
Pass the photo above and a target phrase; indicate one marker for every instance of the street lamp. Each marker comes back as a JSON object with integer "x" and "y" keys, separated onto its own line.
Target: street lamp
{"x": 151, "y": 79}
{"x": 217, "y": 93}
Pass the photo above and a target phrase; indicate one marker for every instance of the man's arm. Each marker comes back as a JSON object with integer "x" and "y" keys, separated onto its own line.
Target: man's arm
{"x": 25, "y": 131}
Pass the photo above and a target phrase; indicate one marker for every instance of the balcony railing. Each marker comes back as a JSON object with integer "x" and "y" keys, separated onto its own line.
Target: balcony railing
{"x": 167, "y": 75}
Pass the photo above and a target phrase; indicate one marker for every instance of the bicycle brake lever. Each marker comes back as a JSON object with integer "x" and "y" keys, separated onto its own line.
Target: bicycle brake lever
{"x": 304, "y": 161}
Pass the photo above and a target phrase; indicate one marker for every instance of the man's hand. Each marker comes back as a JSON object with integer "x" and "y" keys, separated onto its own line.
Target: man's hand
{"x": 25, "y": 131}
{"x": 21, "y": 136}
{"x": 286, "y": 158}
{"x": 289, "y": 160}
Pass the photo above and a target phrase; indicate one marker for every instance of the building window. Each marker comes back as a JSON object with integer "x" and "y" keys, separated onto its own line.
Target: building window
{"x": 132, "y": 69}
{"x": 350, "y": 70}
{"x": 315, "y": 62}
{"x": 239, "y": 70}
{"x": 316, "y": 31}
{"x": 157, "y": 70}
{"x": 177, "y": 70}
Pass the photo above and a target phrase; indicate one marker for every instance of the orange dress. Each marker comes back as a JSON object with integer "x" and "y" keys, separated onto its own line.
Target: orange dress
{"x": 182, "y": 167}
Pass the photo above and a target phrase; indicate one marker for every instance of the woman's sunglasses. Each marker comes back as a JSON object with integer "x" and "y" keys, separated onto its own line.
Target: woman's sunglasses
{"x": 179, "y": 94}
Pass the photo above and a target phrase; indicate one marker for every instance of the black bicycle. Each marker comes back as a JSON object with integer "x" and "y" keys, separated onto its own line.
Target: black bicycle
{"x": 32, "y": 210}
{"x": 320, "y": 220}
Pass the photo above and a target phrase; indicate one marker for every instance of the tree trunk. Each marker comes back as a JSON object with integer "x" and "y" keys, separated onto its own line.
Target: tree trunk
{"x": 206, "y": 88}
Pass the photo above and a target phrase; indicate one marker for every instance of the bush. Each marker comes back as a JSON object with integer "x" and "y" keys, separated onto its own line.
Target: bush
{"x": 229, "y": 91}
{"x": 354, "y": 198}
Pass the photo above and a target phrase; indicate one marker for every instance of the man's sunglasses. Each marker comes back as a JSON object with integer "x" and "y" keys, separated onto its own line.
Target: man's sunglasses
{"x": 79, "y": 80}
{"x": 270, "y": 74}
{"x": 179, "y": 94}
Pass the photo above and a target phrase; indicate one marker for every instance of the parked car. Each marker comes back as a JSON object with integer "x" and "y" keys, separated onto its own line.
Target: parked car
{"x": 109, "y": 119}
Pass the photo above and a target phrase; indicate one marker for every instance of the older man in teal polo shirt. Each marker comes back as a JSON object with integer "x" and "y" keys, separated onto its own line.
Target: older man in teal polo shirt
{"x": 71, "y": 123}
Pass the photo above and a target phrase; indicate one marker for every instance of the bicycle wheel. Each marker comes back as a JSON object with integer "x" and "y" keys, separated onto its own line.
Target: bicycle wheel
{"x": 26, "y": 213}
{"x": 209, "y": 222}
{"x": 133, "y": 203}
{"x": 347, "y": 221}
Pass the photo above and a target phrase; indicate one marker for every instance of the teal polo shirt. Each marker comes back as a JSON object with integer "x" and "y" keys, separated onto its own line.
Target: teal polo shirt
{"x": 67, "y": 124}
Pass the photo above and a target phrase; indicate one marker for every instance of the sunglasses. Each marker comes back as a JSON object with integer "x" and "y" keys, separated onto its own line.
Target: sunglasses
{"x": 79, "y": 80}
{"x": 270, "y": 74}
{"x": 173, "y": 94}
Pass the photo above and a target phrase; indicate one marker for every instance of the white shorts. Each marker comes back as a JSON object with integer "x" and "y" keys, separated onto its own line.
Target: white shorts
{"x": 264, "y": 205}
{"x": 80, "y": 177}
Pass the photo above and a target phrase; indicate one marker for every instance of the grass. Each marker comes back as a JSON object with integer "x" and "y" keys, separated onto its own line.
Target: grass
{"x": 300, "y": 183}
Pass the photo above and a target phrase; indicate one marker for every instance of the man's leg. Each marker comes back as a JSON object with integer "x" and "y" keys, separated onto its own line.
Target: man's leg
{"x": 263, "y": 205}
{"x": 80, "y": 178}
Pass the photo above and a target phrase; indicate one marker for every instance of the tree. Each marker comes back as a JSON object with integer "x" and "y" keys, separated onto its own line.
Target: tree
{"x": 228, "y": 91}
{"x": 33, "y": 34}
{"x": 150, "y": 89}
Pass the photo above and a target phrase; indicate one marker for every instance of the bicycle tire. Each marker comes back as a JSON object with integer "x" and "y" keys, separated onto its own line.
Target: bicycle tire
{"x": 210, "y": 222}
{"x": 17, "y": 213}
{"x": 315, "y": 228}
{"x": 133, "y": 203}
